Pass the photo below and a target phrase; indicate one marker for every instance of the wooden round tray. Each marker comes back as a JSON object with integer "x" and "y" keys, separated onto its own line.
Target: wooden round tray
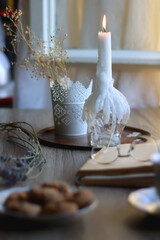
{"x": 48, "y": 137}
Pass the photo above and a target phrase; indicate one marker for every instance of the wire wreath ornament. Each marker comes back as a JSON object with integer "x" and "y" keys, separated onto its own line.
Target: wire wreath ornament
{"x": 30, "y": 165}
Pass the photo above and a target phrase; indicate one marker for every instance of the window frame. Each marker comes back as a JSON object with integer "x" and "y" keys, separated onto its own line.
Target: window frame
{"x": 46, "y": 16}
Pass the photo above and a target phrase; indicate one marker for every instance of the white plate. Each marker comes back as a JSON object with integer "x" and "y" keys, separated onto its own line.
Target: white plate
{"x": 147, "y": 200}
{"x": 56, "y": 218}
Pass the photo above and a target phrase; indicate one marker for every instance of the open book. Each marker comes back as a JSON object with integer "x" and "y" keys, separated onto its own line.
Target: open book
{"x": 122, "y": 172}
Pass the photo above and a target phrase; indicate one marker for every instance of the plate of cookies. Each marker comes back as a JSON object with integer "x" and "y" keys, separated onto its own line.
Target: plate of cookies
{"x": 52, "y": 202}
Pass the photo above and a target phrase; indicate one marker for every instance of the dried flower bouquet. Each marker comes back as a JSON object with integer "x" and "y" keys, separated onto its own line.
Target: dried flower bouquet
{"x": 50, "y": 63}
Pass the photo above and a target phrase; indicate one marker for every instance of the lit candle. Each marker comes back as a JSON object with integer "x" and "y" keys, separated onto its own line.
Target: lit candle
{"x": 106, "y": 106}
{"x": 104, "y": 51}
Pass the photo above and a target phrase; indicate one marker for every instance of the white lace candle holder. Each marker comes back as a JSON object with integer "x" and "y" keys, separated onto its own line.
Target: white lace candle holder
{"x": 68, "y": 106}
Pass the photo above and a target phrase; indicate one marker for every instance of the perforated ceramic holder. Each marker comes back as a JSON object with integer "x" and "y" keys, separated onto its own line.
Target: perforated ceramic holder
{"x": 68, "y": 108}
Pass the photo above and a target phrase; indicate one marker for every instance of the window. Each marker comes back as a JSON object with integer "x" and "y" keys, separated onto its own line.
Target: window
{"x": 48, "y": 18}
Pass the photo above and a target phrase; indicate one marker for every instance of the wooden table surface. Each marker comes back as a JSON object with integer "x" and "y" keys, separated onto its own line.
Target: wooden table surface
{"x": 114, "y": 218}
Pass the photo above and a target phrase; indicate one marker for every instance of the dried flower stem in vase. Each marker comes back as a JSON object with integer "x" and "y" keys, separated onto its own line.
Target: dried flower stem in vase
{"x": 50, "y": 63}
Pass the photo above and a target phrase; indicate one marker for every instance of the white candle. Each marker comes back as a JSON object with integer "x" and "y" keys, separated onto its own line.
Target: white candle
{"x": 104, "y": 52}
{"x": 105, "y": 99}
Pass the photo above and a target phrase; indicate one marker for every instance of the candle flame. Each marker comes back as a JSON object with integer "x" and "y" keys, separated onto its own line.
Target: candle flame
{"x": 104, "y": 23}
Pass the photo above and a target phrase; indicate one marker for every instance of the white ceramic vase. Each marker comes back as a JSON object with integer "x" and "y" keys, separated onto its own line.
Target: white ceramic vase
{"x": 68, "y": 106}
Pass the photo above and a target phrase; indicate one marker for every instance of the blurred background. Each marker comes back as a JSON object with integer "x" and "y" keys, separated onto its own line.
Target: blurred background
{"x": 135, "y": 28}
{"x": 6, "y": 57}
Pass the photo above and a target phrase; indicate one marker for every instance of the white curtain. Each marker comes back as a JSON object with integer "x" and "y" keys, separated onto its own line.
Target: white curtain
{"x": 142, "y": 88}
{"x": 135, "y": 25}
{"x": 29, "y": 92}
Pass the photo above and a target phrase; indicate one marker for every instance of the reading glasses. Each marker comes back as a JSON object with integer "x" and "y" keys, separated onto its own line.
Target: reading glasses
{"x": 139, "y": 149}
